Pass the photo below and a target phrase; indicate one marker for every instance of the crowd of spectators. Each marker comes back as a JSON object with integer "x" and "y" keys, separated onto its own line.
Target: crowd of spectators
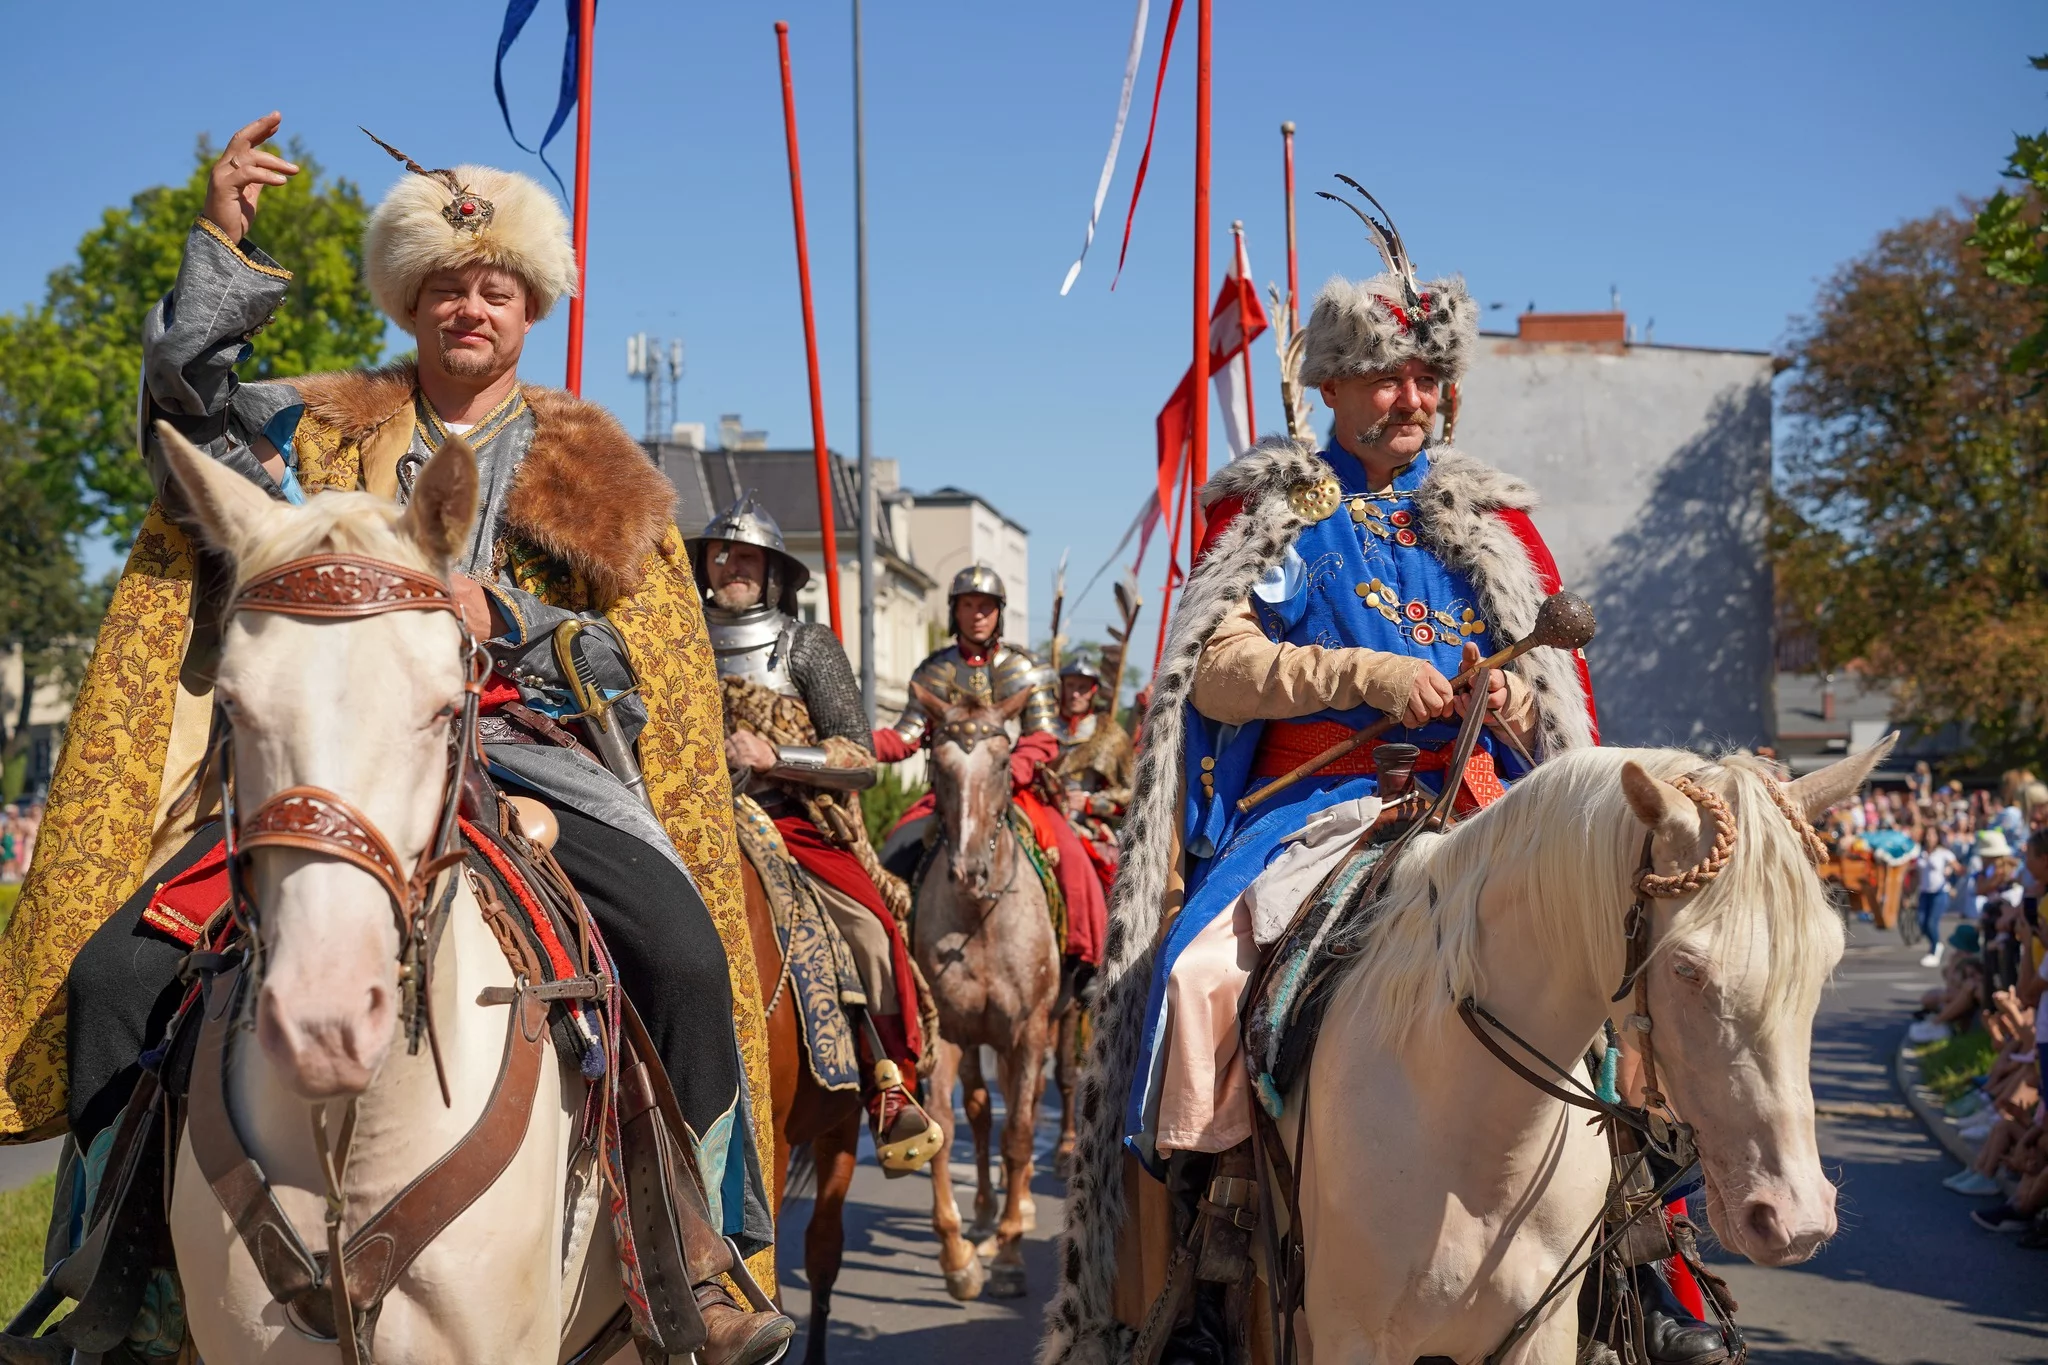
{"x": 1981, "y": 857}
{"x": 18, "y": 826}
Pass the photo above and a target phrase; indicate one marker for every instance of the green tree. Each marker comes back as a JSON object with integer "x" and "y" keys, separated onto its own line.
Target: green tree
{"x": 72, "y": 364}
{"x": 2012, "y": 234}
{"x": 47, "y": 610}
{"x": 1912, "y": 527}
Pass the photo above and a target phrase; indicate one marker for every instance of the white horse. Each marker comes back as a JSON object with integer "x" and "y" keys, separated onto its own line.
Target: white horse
{"x": 361, "y": 707}
{"x": 1441, "y": 1192}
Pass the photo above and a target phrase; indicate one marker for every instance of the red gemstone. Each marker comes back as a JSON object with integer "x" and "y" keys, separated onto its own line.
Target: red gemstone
{"x": 1417, "y": 611}
{"x": 468, "y": 207}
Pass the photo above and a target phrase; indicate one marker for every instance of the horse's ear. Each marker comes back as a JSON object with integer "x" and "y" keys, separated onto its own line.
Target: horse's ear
{"x": 934, "y": 706}
{"x": 1011, "y": 706}
{"x": 227, "y": 506}
{"x": 1661, "y": 807}
{"x": 1819, "y": 792}
{"x": 443, "y": 502}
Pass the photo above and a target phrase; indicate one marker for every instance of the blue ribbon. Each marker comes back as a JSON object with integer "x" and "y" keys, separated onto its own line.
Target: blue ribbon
{"x": 516, "y": 14}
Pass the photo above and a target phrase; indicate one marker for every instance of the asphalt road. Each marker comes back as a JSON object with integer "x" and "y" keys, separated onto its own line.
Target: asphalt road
{"x": 1909, "y": 1280}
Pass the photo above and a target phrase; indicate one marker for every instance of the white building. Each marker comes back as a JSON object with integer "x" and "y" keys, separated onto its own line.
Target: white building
{"x": 951, "y": 528}
{"x": 1654, "y": 466}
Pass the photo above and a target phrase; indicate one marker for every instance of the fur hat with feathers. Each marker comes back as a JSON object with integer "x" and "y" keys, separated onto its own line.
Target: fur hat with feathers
{"x": 1367, "y": 328}
{"x": 410, "y": 237}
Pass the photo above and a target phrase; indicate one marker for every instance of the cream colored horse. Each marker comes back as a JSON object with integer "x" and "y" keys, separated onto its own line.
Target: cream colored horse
{"x": 1441, "y": 1191}
{"x": 361, "y": 707}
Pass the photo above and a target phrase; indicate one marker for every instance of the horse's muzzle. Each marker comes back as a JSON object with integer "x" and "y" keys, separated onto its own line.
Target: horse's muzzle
{"x": 325, "y": 1050}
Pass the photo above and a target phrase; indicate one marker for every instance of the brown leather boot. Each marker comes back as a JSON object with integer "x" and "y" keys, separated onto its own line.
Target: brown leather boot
{"x": 734, "y": 1335}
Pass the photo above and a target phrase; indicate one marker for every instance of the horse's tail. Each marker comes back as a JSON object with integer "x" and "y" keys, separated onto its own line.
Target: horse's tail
{"x": 802, "y": 1181}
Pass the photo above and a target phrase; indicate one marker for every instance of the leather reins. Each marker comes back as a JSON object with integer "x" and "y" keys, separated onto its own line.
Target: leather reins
{"x": 313, "y": 820}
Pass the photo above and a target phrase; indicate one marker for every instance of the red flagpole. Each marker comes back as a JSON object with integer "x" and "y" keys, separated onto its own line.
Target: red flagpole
{"x": 803, "y": 275}
{"x": 1173, "y": 573}
{"x": 1198, "y": 471}
{"x": 1244, "y": 270}
{"x": 586, "y": 24}
{"x": 1293, "y": 279}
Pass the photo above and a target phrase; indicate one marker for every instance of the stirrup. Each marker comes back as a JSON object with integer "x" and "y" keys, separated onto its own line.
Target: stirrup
{"x": 909, "y": 1154}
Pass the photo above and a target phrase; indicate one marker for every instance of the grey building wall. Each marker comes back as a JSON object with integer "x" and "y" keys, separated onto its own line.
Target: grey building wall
{"x": 1654, "y": 463}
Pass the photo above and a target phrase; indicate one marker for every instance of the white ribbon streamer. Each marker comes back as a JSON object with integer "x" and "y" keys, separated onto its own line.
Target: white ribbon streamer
{"x": 1116, "y": 138}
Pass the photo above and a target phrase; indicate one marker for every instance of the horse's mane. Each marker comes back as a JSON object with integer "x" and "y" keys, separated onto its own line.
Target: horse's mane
{"x": 1567, "y": 845}
{"x": 331, "y": 523}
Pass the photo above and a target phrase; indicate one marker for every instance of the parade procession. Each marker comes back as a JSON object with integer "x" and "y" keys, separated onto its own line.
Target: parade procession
{"x": 481, "y": 883}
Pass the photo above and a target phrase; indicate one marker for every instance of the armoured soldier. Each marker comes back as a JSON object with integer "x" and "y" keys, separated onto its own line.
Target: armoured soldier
{"x": 980, "y": 664}
{"x": 1096, "y": 763}
{"x": 797, "y": 739}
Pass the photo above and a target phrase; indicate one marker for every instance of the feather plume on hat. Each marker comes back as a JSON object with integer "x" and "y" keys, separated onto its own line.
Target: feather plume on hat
{"x": 1377, "y": 325}
{"x": 468, "y": 215}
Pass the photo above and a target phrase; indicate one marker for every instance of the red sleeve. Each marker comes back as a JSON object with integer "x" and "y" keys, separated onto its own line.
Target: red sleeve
{"x": 1221, "y": 513}
{"x": 1546, "y": 573}
{"x": 1033, "y": 749}
{"x": 891, "y": 747}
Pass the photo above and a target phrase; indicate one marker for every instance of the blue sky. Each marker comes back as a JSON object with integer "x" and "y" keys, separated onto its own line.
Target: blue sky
{"x": 1711, "y": 162}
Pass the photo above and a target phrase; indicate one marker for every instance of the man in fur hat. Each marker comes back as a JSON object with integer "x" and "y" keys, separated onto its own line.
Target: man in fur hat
{"x": 572, "y": 552}
{"x": 1334, "y": 587}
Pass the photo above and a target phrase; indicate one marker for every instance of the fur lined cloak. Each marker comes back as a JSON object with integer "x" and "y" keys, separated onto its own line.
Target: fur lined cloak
{"x": 591, "y": 519}
{"x": 1473, "y": 518}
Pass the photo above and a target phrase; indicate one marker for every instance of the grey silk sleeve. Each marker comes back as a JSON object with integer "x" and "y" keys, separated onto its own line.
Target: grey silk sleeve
{"x": 819, "y": 666}
{"x": 526, "y": 654}
{"x": 191, "y": 343}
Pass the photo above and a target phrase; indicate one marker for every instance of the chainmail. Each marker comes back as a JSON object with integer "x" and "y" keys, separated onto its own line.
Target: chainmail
{"x": 819, "y": 668}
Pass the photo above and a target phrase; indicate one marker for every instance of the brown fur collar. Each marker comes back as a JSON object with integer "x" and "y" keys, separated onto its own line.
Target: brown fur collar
{"x": 586, "y": 492}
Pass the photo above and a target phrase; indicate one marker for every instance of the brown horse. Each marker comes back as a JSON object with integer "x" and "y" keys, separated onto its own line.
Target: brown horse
{"x": 984, "y": 937}
{"x": 805, "y": 1112}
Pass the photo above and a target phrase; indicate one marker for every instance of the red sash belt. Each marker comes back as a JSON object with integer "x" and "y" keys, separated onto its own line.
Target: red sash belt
{"x": 1285, "y": 745}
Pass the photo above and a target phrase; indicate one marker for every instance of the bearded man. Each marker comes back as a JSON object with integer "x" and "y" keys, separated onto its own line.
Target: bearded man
{"x": 573, "y": 560}
{"x": 979, "y": 664}
{"x": 1333, "y": 588}
{"x": 797, "y": 737}
{"x": 1096, "y": 764}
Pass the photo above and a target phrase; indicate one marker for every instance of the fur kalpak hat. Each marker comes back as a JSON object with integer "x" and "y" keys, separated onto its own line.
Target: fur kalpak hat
{"x": 1377, "y": 325}
{"x": 471, "y": 215}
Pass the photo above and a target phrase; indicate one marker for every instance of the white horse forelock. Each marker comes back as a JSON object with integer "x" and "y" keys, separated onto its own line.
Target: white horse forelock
{"x": 330, "y": 523}
{"x": 1568, "y": 844}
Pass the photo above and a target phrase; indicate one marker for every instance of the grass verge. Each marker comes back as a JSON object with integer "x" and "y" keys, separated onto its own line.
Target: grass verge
{"x": 24, "y": 1219}
{"x": 1948, "y": 1068}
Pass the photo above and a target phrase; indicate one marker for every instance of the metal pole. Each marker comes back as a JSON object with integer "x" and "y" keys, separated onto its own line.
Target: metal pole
{"x": 586, "y": 24}
{"x": 1293, "y": 279}
{"x": 867, "y": 469}
{"x": 1198, "y": 473}
{"x": 826, "y": 503}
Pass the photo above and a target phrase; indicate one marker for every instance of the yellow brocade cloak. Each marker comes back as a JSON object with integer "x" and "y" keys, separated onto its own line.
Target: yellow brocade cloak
{"x": 588, "y": 525}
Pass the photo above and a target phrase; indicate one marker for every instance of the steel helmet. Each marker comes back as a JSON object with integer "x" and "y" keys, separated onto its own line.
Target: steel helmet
{"x": 747, "y": 522}
{"x": 1081, "y": 668}
{"x": 978, "y": 578}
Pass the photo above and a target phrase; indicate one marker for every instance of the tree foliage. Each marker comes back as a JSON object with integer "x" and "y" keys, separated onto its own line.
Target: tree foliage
{"x": 1913, "y": 525}
{"x": 47, "y": 610}
{"x": 72, "y": 364}
{"x": 2012, "y": 234}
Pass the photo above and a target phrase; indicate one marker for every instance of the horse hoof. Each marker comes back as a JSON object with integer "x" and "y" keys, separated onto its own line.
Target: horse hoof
{"x": 981, "y": 1230}
{"x": 987, "y": 1247}
{"x": 1006, "y": 1282}
{"x": 1030, "y": 1211}
{"x": 966, "y": 1282}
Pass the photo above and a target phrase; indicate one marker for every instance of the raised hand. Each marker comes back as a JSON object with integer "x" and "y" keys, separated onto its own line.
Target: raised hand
{"x": 238, "y": 178}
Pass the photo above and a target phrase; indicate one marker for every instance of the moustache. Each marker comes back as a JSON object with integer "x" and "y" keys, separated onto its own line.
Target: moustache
{"x": 1393, "y": 421}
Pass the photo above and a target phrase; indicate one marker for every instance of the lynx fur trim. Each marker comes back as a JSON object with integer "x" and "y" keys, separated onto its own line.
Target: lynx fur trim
{"x": 1362, "y": 327}
{"x": 1460, "y": 496}
{"x": 410, "y": 237}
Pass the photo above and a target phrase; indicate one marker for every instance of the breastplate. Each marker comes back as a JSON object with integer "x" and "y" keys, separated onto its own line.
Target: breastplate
{"x": 753, "y": 644}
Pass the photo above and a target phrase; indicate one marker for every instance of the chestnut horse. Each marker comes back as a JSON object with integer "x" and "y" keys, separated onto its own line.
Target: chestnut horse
{"x": 805, "y": 1112}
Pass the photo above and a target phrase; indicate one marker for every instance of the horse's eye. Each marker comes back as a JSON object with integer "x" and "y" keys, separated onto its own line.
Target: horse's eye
{"x": 1688, "y": 970}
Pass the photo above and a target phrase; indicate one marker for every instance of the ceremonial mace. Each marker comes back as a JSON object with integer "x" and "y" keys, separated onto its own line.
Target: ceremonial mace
{"x": 1564, "y": 621}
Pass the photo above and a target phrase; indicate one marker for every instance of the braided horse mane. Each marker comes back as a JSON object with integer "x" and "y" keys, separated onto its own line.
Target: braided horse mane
{"x": 1568, "y": 841}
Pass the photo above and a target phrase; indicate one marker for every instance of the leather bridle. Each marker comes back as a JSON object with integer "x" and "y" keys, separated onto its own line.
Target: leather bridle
{"x": 313, "y": 820}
